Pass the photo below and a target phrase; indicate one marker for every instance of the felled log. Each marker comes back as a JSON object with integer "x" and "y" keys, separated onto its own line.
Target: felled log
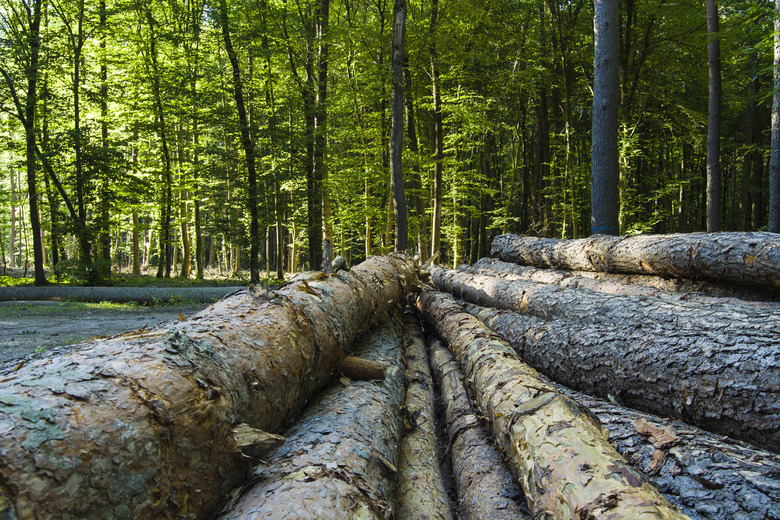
{"x": 727, "y": 387}
{"x": 707, "y": 476}
{"x": 628, "y": 284}
{"x": 339, "y": 460}
{"x": 551, "y": 301}
{"x": 486, "y": 489}
{"x": 141, "y": 425}
{"x": 751, "y": 258}
{"x": 421, "y": 492}
{"x": 556, "y": 448}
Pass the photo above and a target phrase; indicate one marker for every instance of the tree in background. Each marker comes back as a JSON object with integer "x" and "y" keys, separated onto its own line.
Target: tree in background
{"x": 774, "y": 166}
{"x": 397, "y": 132}
{"x": 714, "y": 118}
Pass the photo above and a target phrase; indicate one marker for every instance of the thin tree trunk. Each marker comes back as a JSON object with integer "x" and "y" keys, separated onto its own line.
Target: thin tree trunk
{"x": 421, "y": 492}
{"x": 397, "y": 130}
{"x": 774, "y": 166}
{"x": 714, "y": 118}
{"x": 747, "y": 258}
{"x": 486, "y": 489}
{"x": 438, "y": 136}
{"x": 149, "y": 415}
{"x": 553, "y": 446}
{"x": 339, "y": 460}
{"x": 419, "y": 201}
{"x": 731, "y": 388}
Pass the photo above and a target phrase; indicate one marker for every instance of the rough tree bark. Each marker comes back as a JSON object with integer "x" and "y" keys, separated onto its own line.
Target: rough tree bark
{"x": 708, "y": 476}
{"x": 555, "y": 447}
{"x": 725, "y": 385}
{"x": 421, "y": 492}
{"x": 627, "y": 284}
{"x": 486, "y": 489}
{"x": 750, "y": 258}
{"x": 140, "y": 426}
{"x": 339, "y": 460}
{"x": 760, "y": 323}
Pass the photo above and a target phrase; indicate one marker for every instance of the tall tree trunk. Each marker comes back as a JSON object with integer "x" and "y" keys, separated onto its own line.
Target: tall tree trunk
{"x": 105, "y": 185}
{"x": 149, "y": 417}
{"x": 397, "y": 131}
{"x": 714, "y": 118}
{"x": 606, "y": 100}
{"x": 419, "y": 200}
{"x": 553, "y": 446}
{"x": 774, "y": 167}
{"x": 438, "y": 136}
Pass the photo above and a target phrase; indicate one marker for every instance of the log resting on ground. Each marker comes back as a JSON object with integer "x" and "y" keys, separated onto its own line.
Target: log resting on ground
{"x": 731, "y": 388}
{"x": 141, "y": 425}
{"x": 707, "y": 476}
{"x": 750, "y": 258}
{"x": 486, "y": 489}
{"x": 761, "y": 323}
{"x": 340, "y": 457}
{"x": 630, "y": 284}
{"x": 421, "y": 492}
{"x": 555, "y": 447}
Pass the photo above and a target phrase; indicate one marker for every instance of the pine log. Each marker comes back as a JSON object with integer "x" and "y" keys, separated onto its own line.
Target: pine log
{"x": 731, "y": 388}
{"x": 760, "y": 323}
{"x": 486, "y": 489}
{"x": 630, "y": 284}
{"x": 707, "y": 476}
{"x": 556, "y": 448}
{"x": 421, "y": 491}
{"x": 141, "y": 425}
{"x": 749, "y": 258}
{"x": 340, "y": 457}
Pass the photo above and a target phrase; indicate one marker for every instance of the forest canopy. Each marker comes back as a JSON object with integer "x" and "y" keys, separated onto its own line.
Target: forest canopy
{"x": 181, "y": 135}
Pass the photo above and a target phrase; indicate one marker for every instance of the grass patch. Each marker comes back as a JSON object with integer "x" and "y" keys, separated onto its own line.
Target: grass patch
{"x": 31, "y": 309}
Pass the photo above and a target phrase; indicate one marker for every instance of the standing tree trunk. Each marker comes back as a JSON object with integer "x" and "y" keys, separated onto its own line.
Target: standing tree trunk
{"x": 419, "y": 199}
{"x": 606, "y": 100}
{"x": 438, "y": 136}
{"x": 554, "y": 447}
{"x": 144, "y": 423}
{"x": 774, "y": 167}
{"x": 714, "y": 119}
{"x": 397, "y": 131}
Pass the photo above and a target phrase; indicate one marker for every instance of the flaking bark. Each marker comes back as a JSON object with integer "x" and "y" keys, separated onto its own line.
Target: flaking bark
{"x": 555, "y": 447}
{"x": 140, "y": 426}
{"x": 340, "y": 457}
{"x": 486, "y": 490}
{"x": 762, "y": 323}
{"x": 421, "y": 492}
{"x": 699, "y": 291}
{"x": 751, "y": 258}
{"x": 720, "y": 383}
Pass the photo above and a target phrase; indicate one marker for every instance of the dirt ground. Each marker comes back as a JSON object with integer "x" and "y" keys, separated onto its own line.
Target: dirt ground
{"x": 41, "y": 328}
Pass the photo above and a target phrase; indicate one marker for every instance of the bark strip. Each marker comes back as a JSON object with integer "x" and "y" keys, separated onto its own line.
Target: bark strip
{"x": 761, "y": 323}
{"x": 340, "y": 457}
{"x": 722, "y": 384}
{"x": 556, "y": 448}
{"x": 751, "y": 258}
{"x": 628, "y": 284}
{"x": 140, "y": 426}
{"x": 486, "y": 488}
{"x": 421, "y": 492}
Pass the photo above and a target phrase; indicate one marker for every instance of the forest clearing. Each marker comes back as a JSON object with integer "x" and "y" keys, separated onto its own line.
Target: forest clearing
{"x": 373, "y": 392}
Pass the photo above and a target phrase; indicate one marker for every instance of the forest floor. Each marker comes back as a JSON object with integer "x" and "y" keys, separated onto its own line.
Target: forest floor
{"x": 37, "y": 329}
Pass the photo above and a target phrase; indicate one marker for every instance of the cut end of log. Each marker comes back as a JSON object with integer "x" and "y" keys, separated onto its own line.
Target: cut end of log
{"x": 255, "y": 443}
{"x": 361, "y": 369}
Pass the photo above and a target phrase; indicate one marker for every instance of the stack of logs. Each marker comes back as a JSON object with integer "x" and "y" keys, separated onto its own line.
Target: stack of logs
{"x": 372, "y": 394}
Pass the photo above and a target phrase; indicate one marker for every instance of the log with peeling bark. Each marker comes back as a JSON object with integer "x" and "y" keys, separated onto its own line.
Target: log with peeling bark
{"x": 629, "y": 284}
{"x": 748, "y": 258}
{"x": 421, "y": 490}
{"x": 761, "y": 323}
{"x": 486, "y": 489}
{"x": 555, "y": 447}
{"x": 721, "y": 385}
{"x": 340, "y": 457}
{"x": 141, "y": 425}
{"x": 708, "y": 477}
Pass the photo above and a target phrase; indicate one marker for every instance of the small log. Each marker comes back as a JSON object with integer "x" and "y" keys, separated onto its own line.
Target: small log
{"x": 747, "y": 258}
{"x": 360, "y": 369}
{"x": 556, "y": 448}
{"x": 421, "y": 492}
{"x": 141, "y": 425}
{"x": 339, "y": 460}
{"x": 761, "y": 323}
{"x": 699, "y": 291}
{"x": 731, "y": 388}
{"x": 486, "y": 489}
